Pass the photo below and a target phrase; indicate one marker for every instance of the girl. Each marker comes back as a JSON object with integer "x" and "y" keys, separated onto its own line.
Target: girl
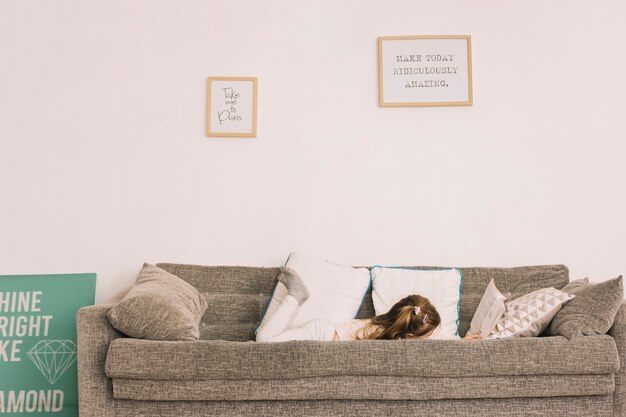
{"x": 413, "y": 317}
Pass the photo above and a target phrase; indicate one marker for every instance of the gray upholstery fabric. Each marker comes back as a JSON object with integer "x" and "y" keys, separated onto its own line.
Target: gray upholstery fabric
{"x": 575, "y": 285}
{"x": 94, "y": 334}
{"x": 590, "y": 312}
{"x": 359, "y": 388}
{"x": 143, "y": 359}
{"x": 589, "y": 406}
{"x": 160, "y": 306}
{"x": 238, "y": 296}
{"x": 618, "y": 332}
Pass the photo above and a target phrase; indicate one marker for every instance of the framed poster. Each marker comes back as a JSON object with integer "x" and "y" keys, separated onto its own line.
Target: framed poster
{"x": 38, "y": 371}
{"x": 231, "y": 107}
{"x": 424, "y": 70}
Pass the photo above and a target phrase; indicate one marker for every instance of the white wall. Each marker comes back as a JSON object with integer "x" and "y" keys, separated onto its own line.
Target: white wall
{"x": 104, "y": 163}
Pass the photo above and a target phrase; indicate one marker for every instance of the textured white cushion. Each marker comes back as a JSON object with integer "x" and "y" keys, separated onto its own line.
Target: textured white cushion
{"x": 530, "y": 314}
{"x": 336, "y": 291}
{"x": 489, "y": 311}
{"x": 442, "y": 287}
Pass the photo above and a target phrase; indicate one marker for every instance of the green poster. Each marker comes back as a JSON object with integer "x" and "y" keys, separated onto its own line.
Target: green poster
{"x": 38, "y": 373}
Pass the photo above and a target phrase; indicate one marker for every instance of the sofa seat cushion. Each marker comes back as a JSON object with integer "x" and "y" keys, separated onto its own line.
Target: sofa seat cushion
{"x": 240, "y": 361}
{"x": 368, "y": 388}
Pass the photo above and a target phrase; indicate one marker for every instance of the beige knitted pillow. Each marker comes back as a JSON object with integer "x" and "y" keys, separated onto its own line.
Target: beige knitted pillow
{"x": 530, "y": 314}
{"x": 160, "y": 306}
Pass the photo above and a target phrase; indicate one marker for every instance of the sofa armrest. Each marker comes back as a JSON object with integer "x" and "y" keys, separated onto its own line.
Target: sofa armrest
{"x": 94, "y": 333}
{"x": 618, "y": 331}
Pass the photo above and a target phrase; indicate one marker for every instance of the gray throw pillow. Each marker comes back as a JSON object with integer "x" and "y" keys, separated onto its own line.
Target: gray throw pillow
{"x": 575, "y": 285}
{"x": 590, "y": 312}
{"x": 160, "y": 306}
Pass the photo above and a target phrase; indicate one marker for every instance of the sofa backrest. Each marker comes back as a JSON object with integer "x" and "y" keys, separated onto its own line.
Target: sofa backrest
{"x": 239, "y": 295}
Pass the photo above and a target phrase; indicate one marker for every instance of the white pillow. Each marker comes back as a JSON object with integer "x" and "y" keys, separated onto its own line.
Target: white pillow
{"x": 489, "y": 311}
{"x": 530, "y": 314}
{"x": 336, "y": 292}
{"x": 442, "y": 287}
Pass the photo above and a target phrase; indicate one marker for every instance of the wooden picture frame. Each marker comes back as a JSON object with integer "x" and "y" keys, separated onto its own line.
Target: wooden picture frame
{"x": 231, "y": 107}
{"x": 425, "y": 70}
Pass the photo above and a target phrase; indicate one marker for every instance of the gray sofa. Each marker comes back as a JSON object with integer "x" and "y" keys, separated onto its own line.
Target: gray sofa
{"x": 225, "y": 373}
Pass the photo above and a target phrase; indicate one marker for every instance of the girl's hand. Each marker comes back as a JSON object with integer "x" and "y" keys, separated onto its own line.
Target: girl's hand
{"x": 475, "y": 336}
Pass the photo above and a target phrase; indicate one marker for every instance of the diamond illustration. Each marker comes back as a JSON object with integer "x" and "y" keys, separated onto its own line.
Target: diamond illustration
{"x": 53, "y": 357}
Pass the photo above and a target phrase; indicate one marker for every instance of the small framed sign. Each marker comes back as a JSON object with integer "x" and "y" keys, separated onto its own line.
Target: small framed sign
{"x": 231, "y": 107}
{"x": 425, "y": 71}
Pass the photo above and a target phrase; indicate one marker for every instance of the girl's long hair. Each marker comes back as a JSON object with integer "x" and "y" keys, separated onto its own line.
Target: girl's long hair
{"x": 401, "y": 321}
